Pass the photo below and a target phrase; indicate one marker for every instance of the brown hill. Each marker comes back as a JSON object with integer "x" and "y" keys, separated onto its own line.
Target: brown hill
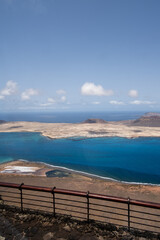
{"x": 2, "y": 121}
{"x": 94, "y": 120}
{"x": 148, "y": 120}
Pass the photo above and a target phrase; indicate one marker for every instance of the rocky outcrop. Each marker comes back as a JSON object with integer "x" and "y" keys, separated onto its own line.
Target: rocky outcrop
{"x": 2, "y": 121}
{"x": 37, "y": 226}
{"x": 148, "y": 120}
{"x": 94, "y": 120}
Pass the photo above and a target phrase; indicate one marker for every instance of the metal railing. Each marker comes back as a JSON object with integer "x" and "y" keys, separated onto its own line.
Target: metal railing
{"x": 83, "y": 205}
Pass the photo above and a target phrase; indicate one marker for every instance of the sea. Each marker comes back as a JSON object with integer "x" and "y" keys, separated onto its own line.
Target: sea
{"x": 120, "y": 159}
{"x": 68, "y": 117}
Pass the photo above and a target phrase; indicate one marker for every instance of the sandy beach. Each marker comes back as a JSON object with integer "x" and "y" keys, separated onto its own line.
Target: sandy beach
{"x": 35, "y": 174}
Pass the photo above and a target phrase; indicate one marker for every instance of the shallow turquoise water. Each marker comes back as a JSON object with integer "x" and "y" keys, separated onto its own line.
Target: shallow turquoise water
{"x": 131, "y": 160}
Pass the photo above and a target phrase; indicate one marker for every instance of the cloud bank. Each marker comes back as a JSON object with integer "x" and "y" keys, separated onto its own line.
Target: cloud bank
{"x": 114, "y": 102}
{"x": 139, "y": 102}
{"x": 26, "y": 95}
{"x": 10, "y": 89}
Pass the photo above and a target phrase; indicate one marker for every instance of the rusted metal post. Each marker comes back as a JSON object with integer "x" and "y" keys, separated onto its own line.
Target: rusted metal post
{"x": 20, "y": 188}
{"x": 87, "y": 206}
{"x": 128, "y": 214}
{"x": 54, "y": 204}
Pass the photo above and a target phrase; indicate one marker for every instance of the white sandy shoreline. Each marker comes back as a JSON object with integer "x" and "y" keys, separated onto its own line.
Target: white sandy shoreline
{"x": 10, "y": 168}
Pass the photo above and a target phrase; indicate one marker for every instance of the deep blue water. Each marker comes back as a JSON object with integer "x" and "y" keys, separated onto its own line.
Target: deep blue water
{"x": 131, "y": 160}
{"x": 68, "y": 117}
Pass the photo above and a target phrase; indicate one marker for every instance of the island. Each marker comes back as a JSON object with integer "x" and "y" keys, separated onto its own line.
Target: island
{"x": 146, "y": 126}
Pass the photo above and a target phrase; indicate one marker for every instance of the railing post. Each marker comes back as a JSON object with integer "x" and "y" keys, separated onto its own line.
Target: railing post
{"x": 54, "y": 204}
{"x": 128, "y": 214}
{"x": 87, "y": 206}
{"x": 20, "y": 188}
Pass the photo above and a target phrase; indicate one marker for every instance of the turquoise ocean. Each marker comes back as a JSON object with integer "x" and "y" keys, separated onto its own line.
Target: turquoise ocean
{"x": 130, "y": 160}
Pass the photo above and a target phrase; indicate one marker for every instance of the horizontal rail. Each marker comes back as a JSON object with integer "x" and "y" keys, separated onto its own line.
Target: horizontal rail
{"x": 101, "y": 205}
{"x": 147, "y": 225}
{"x": 82, "y": 194}
{"x": 151, "y": 214}
{"x": 56, "y": 199}
{"x": 70, "y": 200}
{"x": 6, "y": 196}
{"x": 98, "y": 210}
{"x": 10, "y": 201}
{"x": 64, "y": 204}
{"x": 146, "y": 219}
{"x": 36, "y": 200}
{"x": 96, "y": 215}
{"x": 66, "y": 210}
{"x": 31, "y": 195}
{"x": 36, "y": 205}
{"x": 10, "y": 192}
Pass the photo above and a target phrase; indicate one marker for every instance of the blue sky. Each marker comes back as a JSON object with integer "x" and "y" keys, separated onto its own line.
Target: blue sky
{"x": 79, "y": 55}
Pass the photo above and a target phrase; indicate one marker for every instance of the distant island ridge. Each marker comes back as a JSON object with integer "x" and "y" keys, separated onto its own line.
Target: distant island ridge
{"x": 147, "y": 125}
{"x": 94, "y": 120}
{"x": 2, "y": 121}
{"x": 149, "y": 120}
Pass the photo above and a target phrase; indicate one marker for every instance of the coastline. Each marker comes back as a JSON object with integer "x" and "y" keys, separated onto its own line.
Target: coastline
{"x": 70, "y": 130}
{"x": 77, "y": 181}
{"x": 49, "y": 167}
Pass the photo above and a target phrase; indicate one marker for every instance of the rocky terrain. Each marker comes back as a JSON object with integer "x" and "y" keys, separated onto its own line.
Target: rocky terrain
{"x": 94, "y": 120}
{"x": 87, "y": 130}
{"x": 148, "y": 120}
{"x": 15, "y": 225}
{"x": 146, "y": 126}
{"x": 2, "y": 121}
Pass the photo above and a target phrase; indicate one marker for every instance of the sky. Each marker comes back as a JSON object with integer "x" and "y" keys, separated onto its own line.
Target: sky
{"x": 79, "y": 55}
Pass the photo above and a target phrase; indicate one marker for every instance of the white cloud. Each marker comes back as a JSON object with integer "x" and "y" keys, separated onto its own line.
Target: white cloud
{"x": 138, "y": 102}
{"x": 96, "y": 103}
{"x": 10, "y": 88}
{"x": 46, "y": 104}
{"x": 90, "y": 88}
{"x": 34, "y": 107}
{"x": 63, "y": 98}
{"x": 1, "y": 97}
{"x": 133, "y": 93}
{"x": 51, "y": 100}
{"x": 114, "y": 102}
{"x": 26, "y": 95}
{"x": 61, "y": 92}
